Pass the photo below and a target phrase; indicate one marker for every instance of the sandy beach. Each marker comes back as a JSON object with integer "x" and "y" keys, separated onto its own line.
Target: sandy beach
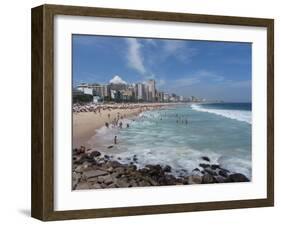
{"x": 87, "y": 119}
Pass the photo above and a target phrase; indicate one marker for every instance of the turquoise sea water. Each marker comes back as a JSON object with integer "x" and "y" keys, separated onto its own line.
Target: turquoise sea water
{"x": 181, "y": 135}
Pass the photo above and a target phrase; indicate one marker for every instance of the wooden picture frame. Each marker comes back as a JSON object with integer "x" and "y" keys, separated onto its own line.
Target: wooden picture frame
{"x": 43, "y": 111}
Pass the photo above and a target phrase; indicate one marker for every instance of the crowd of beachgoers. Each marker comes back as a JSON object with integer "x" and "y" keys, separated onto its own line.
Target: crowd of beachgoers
{"x": 98, "y": 108}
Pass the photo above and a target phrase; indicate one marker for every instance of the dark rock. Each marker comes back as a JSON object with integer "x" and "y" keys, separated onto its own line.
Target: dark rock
{"x": 167, "y": 169}
{"x": 151, "y": 181}
{"x": 238, "y": 177}
{"x": 196, "y": 170}
{"x": 170, "y": 180}
{"x": 143, "y": 183}
{"x": 91, "y": 158}
{"x": 115, "y": 164}
{"x": 206, "y": 158}
{"x": 194, "y": 179}
{"x": 82, "y": 158}
{"x": 111, "y": 146}
{"x": 219, "y": 179}
{"x": 223, "y": 173}
{"x": 82, "y": 150}
{"x": 107, "y": 180}
{"x": 120, "y": 170}
{"x": 207, "y": 179}
{"x": 95, "y": 154}
{"x": 133, "y": 167}
{"x": 75, "y": 151}
{"x": 203, "y": 165}
{"x": 122, "y": 183}
{"x": 215, "y": 166}
{"x": 155, "y": 171}
{"x": 143, "y": 170}
{"x": 106, "y": 157}
{"x": 210, "y": 171}
{"x": 94, "y": 173}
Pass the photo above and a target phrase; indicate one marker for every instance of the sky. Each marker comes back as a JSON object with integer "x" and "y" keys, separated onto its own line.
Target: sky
{"x": 206, "y": 69}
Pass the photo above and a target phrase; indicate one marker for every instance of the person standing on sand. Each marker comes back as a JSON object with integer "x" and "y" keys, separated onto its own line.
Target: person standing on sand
{"x": 115, "y": 140}
{"x": 108, "y": 115}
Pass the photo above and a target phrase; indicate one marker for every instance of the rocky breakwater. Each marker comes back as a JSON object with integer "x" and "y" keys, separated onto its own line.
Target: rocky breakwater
{"x": 92, "y": 170}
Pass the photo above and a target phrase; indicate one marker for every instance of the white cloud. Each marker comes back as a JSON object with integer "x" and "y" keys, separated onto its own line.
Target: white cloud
{"x": 173, "y": 46}
{"x": 135, "y": 59}
{"x": 117, "y": 80}
{"x": 179, "y": 49}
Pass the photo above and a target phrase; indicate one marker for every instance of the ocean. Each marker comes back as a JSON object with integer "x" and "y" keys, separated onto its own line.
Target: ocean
{"x": 180, "y": 135}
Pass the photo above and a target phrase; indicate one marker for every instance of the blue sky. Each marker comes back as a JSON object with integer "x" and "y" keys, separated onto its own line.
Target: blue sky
{"x": 211, "y": 70}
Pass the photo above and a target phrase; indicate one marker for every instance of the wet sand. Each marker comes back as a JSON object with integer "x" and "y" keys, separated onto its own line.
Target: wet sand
{"x": 85, "y": 124}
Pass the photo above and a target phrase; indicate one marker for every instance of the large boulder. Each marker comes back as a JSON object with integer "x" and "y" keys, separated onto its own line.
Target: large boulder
{"x": 95, "y": 154}
{"x": 194, "y": 179}
{"x": 238, "y": 177}
{"x": 210, "y": 171}
{"x": 167, "y": 169}
{"x": 204, "y": 165}
{"x": 223, "y": 173}
{"x": 94, "y": 173}
{"x": 207, "y": 179}
{"x": 205, "y": 158}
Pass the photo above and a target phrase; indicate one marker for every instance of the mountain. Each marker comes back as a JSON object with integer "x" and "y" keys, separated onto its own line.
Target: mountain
{"x": 117, "y": 80}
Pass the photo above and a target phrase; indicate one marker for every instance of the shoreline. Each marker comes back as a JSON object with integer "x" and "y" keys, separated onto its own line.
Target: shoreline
{"x": 90, "y": 117}
{"x": 92, "y": 168}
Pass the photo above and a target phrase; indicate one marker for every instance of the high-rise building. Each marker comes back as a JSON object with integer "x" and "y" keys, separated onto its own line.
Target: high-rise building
{"x": 100, "y": 90}
{"x": 151, "y": 84}
{"x": 140, "y": 91}
{"x": 85, "y": 88}
{"x": 94, "y": 89}
{"x": 161, "y": 96}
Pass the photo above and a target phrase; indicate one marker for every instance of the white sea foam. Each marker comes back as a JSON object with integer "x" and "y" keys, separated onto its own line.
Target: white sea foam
{"x": 240, "y": 115}
{"x": 167, "y": 144}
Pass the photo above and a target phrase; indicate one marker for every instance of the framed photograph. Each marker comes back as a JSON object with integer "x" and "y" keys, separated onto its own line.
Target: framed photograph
{"x": 141, "y": 112}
